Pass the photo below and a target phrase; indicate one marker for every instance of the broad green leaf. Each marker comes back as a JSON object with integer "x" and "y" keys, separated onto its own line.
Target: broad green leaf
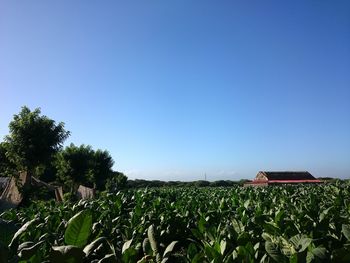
{"x": 146, "y": 247}
{"x": 191, "y": 251}
{"x": 293, "y": 258}
{"x": 27, "y": 252}
{"x": 274, "y": 252}
{"x": 237, "y": 225}
{"x": 129, "y": 255}
{"x": 78, "y": 229}
{"x": 211, "y": 253}
{"x": 110, "y": 258}
{"x": 153, "y": 242}
{"x": 246, "y": 203}
{"x": 266, "y": 236}
{"x": 169, "y": 249}
{"x": 152, "y": 239}
{"x": 346, "y": 231}
{"x": 126, "y": 245}
{"x": 198, "y": 258}
{"x": 271, "y": 228}
{"x": 25, "y": 245}
{"x": 279, "y": 216}
{"x": 300, "y": 242}
{"x": 202, "y": 225}
{"x": 320, "y": 252}
{"x": 222, "y": 247}
{"x": 14, "y": 242}
{"x": 88, "y": 249}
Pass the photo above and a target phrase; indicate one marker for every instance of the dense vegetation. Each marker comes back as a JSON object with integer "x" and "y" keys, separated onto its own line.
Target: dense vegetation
{"x": 271, "y": 224}
{"x": 35, "y": 144}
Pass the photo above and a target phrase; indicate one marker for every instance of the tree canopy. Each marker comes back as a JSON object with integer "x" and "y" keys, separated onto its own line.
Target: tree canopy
{"x": 35, "y": 145}
{"x": 7, "y": 168}
{"x": 82, "y": 165}
{"x": 33, "y": 139}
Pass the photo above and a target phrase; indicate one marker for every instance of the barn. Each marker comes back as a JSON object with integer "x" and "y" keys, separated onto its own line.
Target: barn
{"x": 264, "y": 178}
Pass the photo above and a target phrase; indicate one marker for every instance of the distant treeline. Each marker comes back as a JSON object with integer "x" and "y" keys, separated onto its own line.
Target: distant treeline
{"x": 139, "y": 183}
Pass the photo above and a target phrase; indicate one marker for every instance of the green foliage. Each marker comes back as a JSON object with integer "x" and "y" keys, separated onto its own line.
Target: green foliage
{"x": 210, "y": 225}
{"x": 33, "y": 139}
{"x": 116, "y": 182}
{"x": 7, "y": 167}
{"x": 78, "y": 229}
{"x": 82, "y": 165}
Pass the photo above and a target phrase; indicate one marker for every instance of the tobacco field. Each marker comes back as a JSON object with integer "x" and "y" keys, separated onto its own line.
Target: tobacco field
{"x": 268, "y": 224}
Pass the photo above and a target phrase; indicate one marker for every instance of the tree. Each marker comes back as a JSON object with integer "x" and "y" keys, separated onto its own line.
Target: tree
{"x": 33, "y": 139}
{"x": 116, "y": 182}
{"x": 7, "y": 168}
{"x": 102, "y": 167}
{"x": 82, "y": 165}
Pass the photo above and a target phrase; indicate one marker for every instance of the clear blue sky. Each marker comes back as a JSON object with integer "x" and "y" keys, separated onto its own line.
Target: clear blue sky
{"x": 177, "y": 89}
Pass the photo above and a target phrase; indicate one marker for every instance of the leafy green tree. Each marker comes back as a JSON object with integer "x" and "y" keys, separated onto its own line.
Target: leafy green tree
{"x": 116, "y": 182}
{"x": 102, "y": 168}
{"x": 7, "y": 168}
{"x": 82, "y": 165}
{"x": 33, "y": 139}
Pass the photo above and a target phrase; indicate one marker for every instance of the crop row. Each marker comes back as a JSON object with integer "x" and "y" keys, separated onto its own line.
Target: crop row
{"x": 271, "y": 224}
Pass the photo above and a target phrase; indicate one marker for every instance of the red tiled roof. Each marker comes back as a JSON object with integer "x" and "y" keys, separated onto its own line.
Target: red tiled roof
{"x": 283, "y": 181}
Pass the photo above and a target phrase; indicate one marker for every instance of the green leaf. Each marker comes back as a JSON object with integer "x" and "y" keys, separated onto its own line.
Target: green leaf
{"x": 198, "y": 258}
{"x": 66, "y": 254}
{"x": 279, "y": 216}
{"x": 222, "y": 247}
{"x": 345, "y": 229}
{"x": 146, "y": 247}
{"x": 266, "y": 236}
{"x": 129, "y": 255}
{"x": 191, "y": 251}
{"x": 152, "y": 239}
{"x": 243, "y": 238}
{"x": 126, "y": 245}
{"x": 309, "y": 257}
{"x": 320, "y": 252}
{"x": 237, "y": 225}
{"x": 153, "y": 243}
{"x": 78, "y": 229}
{"x": 300, "y": 242}
{"x": 110, "y": 258}
{"x": 271, "y": 228}
{"x": 25, "y": 245}
{"x": 293, "y": 258}
{"x": 27, "y": 252}
{"x": 274, "y": 252}
{"x": 246, "y": 204}
{"x": 169, "y": 249}
{"x": 14, "y": 242}
{"x": 93, "y": 245}
{"x": 211, "y": 253}
{"x": 202, "y": 225}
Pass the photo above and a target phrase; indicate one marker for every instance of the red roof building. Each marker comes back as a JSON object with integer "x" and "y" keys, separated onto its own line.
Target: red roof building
{"x": 268, "y": 178}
